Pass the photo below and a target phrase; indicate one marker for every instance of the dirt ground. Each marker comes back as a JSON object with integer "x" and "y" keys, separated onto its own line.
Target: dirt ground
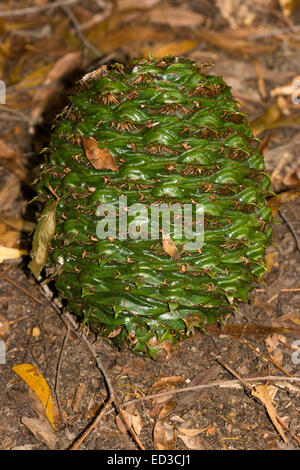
{"x": 255, "y": 45}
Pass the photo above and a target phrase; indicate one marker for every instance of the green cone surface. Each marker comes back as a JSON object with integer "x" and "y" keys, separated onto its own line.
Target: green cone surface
{"x": 159, "y": 132}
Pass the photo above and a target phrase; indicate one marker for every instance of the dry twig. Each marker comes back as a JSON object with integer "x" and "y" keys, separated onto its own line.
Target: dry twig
{"x": 67, "y": 319}
{"x": 290, "y": 226}
{"x": 86, "y": 44}
{"x": 217, "y": 383}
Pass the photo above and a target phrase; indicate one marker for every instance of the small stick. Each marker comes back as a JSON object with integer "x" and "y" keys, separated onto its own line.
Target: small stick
{"x": 235, "y": 374}
{"x": 8, "y": 279}
{"x": 297, "y": 289}
{"x": 56, "y": 382}
{"x": 251, "y": 388}
{"x": 79, "y": 33}
{"x": 286, "y": 221}
{"x": 112, "y": 396}
{"x": 217, "y": 383}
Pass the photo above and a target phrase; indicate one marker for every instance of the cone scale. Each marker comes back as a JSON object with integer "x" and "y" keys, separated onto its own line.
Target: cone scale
{"x": 152, "y": 133}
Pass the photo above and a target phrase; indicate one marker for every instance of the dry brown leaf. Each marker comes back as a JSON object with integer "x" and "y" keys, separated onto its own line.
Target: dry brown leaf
{"x": 270, "y": 116}
{"x": 128, "y": 38}
{"x": 192, "y": 442}
{"x": 167, "y": 409}
{"x": 275, "y": 352}
{"x": 66, "y": 65}
{"x": 188, "y": 399}
{"x": 41, "y": 430}
{"x": 167, "y": 382}
{"x": 169, "y": 246}
{"x": 211, "y": 430}
{"x": 270, "y": 261}
{"x": 174, "y": 48}
{"x": 18, "y": 224}
{"x": 4, "y": 326}
{"x": 175, "y": 16}
{"x": 292, "y": 179}
{"x": 233, "y": 45}
{"x": 262, "y": 392}
{"x": 120, "y": 424}
{"x": 9, "y": 238}
{"x": 190, "y": 432}
{"x": 9, "y": 192}
{"x": 271, "y": 119}
{"x": 164, "y": 436}
{"x": 136, "y": 4}
{"x": 133, "y": 419}
{"x": 281, "y": 199}
{"x": 78, "y": 395}
{"x": 100, "y": 158}
{"x": 6, "y": 151}
{"x": 10, "y": 253}
{"x": 287, "y": 6}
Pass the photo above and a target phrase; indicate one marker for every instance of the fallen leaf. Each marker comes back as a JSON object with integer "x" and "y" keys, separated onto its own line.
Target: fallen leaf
{"x": 211, "y": 430}
{"x": 164, "y": 436}
{"x": 167, "y": 409}
{"x": 281, "y": 199}
{"x": 135, "y": 4}
{"x": 175, "y": 16}
{"x": 18, "y": 224}
{"x": 227, "y": 41}
{"x": 35, "y": 380}
{"x": 9, "y": 192}
{"x": 65, "y": 66}
{"x": 270, "y": 116}
{"x": 272, "y": 344}
{"x": 100, "y": 158}
{"x": 189, "y": 432}
{"x": 24, "y": 447}
{"x": 292, "y": 179}
{"x": 34, "y": 78}
{"x": 262, "y": 392}
{"x": 128, "y": 38}
{"x": 10, "y": 253}
{"x": 9, "y": 238}
{"x": 188, "y": 399}
{"x": 4, "y": 326}
{"x": 174, "y": 48}
{"x": 169, "y": 246}
{"x": 287, "y": 6}
{"x": 43, "y": 235}
{"x": 192, "y": 442}
{"x": 6, "y": 151}
{"x": 165, "y": 382}
{"x": 269, "y": 260}
{"x": 133, "y": 419}
{"x": 41, "y": 430}
{"x": 272, "y": 119}
{"x": 120, "y": 424}
{"x": 78, "y": 397}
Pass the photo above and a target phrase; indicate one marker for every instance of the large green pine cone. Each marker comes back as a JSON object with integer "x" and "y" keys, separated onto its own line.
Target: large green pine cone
{"x": 176, "y": 136}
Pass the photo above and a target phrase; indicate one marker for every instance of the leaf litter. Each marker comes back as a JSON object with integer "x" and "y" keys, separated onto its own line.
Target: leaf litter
{"x": 36, "y": 72}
